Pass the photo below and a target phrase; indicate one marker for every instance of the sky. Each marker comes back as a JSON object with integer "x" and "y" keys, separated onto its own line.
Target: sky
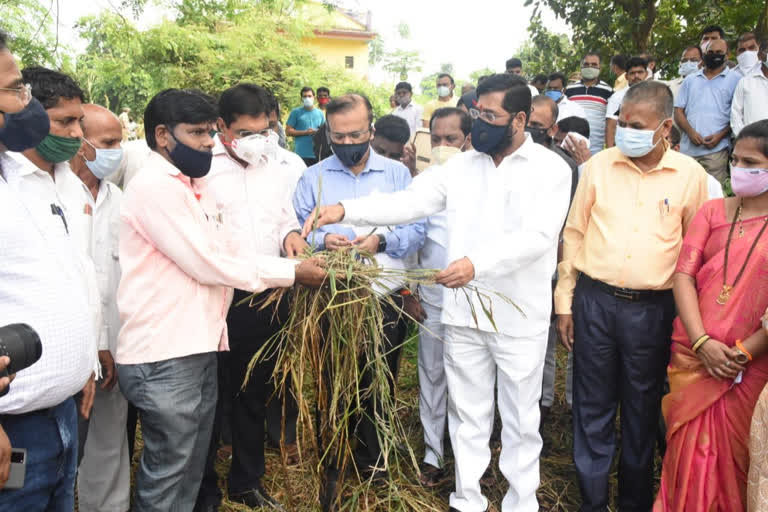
{"x": 441, "y": 30}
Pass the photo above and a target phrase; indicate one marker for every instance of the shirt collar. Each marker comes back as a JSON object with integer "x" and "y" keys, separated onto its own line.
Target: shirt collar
{"x": 25, "y": 167}
{"x": 667, "y": 162}
{"x": 523, "y": 152}
{"x": 375, "y": 162}
{"x": 724, "y": 72}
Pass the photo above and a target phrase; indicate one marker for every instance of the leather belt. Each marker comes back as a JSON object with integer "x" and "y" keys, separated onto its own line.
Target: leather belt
{"x": 627, "y": 294}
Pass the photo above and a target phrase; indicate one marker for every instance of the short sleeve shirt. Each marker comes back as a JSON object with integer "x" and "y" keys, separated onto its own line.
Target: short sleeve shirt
{"x": 303, "y": 119}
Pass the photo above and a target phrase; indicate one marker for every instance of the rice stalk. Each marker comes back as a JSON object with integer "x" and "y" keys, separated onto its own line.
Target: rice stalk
{"x": 332, "y": 337}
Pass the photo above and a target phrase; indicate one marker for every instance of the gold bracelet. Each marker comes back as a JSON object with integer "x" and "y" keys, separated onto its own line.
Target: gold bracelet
{"x": 699, "y": 342}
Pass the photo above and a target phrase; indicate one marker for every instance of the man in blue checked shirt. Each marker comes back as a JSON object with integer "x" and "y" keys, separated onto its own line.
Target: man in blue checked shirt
{"x": 355, "y": 170}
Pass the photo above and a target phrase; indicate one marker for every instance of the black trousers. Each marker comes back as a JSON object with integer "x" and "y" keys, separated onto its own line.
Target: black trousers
{"x": 257, "y": 410}
{"x": 620, "y": 355}
{"x": 258, "y": 404}
{"x": 367, "y": 449}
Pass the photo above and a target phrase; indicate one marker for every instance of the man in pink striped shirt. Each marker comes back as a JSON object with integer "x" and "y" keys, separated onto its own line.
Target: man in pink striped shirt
{"x": 179, "y": 265}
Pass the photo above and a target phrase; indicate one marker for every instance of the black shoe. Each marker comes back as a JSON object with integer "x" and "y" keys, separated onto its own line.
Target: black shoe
{"x": 328, "y": 490}
{"x": 256, "y": 498}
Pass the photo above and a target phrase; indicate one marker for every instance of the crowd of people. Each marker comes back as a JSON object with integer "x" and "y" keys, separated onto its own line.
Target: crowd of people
{"x": 598, "y": 210}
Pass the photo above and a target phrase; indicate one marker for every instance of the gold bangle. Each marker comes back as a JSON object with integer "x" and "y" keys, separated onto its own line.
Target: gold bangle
{"x": 699, "y": 342}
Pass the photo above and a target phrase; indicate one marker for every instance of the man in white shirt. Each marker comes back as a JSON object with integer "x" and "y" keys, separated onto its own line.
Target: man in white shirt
{"x": 637, "y": 71}
{"x": 748, "y": 54}
{"x": 505, "y": 217}
{"x": 253, "y": 192}
{"x": 104, "y": 474}
{"x": 565, "y": 107}
{"x": 750, "y": 100}
{"x": 450, "y": 128}
{"x": 406, "y": 108}
{"x": 689, "y": 64}
{"x": 43, "y": 284}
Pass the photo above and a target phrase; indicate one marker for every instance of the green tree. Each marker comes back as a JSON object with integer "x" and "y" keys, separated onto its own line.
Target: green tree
{"x": 546, "y": 52}
{"x": 32, "y": 30}
{"x": 475, "y": 75}
{"x": 401, "y": 62}
{"x": 662, "y": 27}
{"x": 258, "y": 46}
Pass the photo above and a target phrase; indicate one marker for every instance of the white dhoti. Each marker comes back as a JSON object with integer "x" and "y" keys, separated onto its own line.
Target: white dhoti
{"x": 104, "y": 477}
{"x": 433, "y": 389}
{"x": 474, "y": 359}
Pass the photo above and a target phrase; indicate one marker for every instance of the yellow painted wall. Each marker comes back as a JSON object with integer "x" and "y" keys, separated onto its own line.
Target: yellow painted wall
{"x": 333, "y": 51}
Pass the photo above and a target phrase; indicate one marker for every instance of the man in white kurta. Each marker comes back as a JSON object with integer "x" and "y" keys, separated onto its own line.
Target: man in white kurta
{"x": 506, "y": 202}
{"x": 104, "y": 479}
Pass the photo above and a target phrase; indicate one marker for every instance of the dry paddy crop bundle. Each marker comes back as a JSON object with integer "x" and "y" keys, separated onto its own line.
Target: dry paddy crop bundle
{"x": 331, "y": 338}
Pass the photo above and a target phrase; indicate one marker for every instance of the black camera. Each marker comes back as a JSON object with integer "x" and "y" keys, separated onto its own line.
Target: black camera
{"x": 21, "y": 343}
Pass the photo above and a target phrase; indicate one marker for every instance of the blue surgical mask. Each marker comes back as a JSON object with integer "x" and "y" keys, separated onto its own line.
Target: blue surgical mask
{"x": 106, "y": 163}
{"x": 635, "y": 143}
{"x": 555, "y": 95}
{"x": 25, "y": 129}
{"x": 189, "y": 161}
{"x": 687, "y": 68}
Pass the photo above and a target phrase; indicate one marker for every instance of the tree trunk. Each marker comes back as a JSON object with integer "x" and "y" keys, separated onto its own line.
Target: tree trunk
{"x": 761, "y": 30}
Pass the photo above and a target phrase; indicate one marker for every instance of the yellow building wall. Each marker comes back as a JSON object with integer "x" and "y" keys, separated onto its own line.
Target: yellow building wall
{"x": 334, "y": 51}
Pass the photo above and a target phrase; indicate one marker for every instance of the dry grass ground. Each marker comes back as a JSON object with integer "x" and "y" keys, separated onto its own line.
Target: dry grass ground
{"x": 297, "y": 489}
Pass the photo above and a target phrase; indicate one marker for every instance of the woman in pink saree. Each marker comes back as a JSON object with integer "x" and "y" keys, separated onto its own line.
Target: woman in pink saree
{"x": 717, "y": 369}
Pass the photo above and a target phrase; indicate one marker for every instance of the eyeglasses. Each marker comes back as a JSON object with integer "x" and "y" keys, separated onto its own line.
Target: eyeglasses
{"x": 24, "y": 92}
{"x": 338, "y": 137}
{"x": 247, "y": 133}
{"x": 691, "y": 59}
{"x": 484, "y": 115}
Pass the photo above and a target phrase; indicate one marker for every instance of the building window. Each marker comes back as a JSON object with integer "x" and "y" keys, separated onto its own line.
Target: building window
{"x": 349, "y": 62}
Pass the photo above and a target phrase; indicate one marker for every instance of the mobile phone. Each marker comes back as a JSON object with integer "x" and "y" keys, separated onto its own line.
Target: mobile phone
{"x": 18, "y": 469}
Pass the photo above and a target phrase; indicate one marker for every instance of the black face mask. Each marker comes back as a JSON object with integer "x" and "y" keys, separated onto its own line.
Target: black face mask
{"x": 350, "y": 154}
{"x": 189, "y": 161}
{"x": 25, "y": 129}
{"x": 713, "y": 60}
{"x": 539, "y": 135}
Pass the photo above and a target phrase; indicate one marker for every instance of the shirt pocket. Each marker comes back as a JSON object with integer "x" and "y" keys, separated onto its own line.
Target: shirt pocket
{"x": 670, "y": 222}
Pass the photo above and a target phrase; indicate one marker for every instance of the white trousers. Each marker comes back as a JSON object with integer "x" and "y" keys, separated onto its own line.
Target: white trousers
{"x": 433, "y": 389}
{"x": 474, "y": 360}
{"x": 104, "y": 477}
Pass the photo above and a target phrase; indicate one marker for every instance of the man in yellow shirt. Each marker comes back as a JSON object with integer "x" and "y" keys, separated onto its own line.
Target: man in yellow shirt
{"x": 614, "y": 301}
{"x": 619, "y": 70}
{"x": 445, "y": 98}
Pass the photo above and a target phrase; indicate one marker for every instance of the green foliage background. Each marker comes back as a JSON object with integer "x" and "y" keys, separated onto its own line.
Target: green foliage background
{"x": 211, "y": 45}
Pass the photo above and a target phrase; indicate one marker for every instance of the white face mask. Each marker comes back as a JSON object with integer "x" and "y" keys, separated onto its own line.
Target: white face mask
{"x": 251, "y": 149}
{"x": 687, "y": 68}
{"x": 443, "y": 91}
{"x": 590, "y": 73}
{"x": 747, "y": 60}
{"x": 308, "y": 101}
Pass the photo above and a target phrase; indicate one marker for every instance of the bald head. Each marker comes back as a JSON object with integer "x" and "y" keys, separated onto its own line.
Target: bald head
{"x": 545, "y": 108}
{"x": 101, "y": 130}
{"x": 98, "y": 120}
{"x": 718, "y": 46}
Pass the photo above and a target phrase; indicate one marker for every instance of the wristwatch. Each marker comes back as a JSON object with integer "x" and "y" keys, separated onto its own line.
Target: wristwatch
{"x": 382, "y": 243}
